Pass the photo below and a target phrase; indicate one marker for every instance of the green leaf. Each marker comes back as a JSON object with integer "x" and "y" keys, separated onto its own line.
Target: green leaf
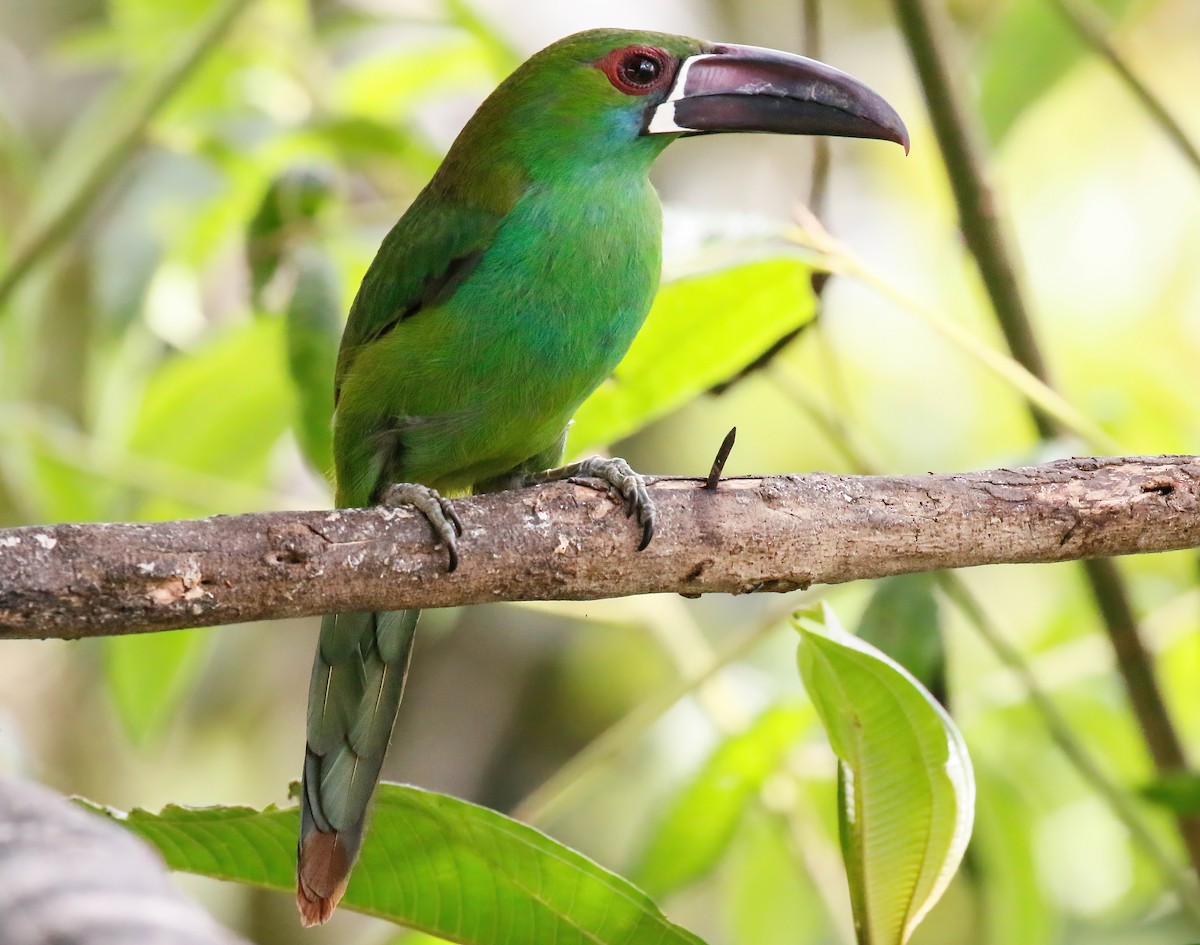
{"x": 390, "y": 88}
{"x": 1015, "y": 906}
{"x": 1029, "y": 50}
{"x": 699, "y": 823}
{"x": 220, "y": 409}
{"x": 409, "y": 937}
{"x": 286, "y": 217}
{"x": 358, "y": 139}
{"x": 65, "y": 491}
{"x": 769, "y": 897}
{"x": 901, "y": 619}
{"x": 148, "y": 674}
{"x": 502, "y": 57}
{"x": 1178, "y": 792}
{"x": 906, "y": 788}
{"x": 432, "y": 862}
{"x": 314, "y": 331}
{"x": 701, "y": 331}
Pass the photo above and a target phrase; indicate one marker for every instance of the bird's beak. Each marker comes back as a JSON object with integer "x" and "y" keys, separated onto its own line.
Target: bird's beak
{"x": 746, "y": 88}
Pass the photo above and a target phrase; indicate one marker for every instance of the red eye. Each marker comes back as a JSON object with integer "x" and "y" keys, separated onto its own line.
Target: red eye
{"x": 636, "y": 70}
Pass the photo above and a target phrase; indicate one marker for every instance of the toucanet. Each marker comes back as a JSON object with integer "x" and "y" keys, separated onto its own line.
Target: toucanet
{"x": 506, "y": 293}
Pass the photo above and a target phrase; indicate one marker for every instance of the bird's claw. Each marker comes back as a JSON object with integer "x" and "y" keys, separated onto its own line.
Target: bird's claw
{"x": 437, "y": 509}
{"x": 618, "y": 474}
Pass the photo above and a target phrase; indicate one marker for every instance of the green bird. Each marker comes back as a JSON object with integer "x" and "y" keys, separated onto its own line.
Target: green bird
{"x": 506, "y": 293}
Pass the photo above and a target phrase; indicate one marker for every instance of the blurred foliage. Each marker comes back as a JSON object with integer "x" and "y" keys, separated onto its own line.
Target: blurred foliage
{"x": 701, "y": 331}
{"x": 1034, "y": 33}
{"x": 902, "y": 619}
{"x": 695, "y": 831}
{"x": 166, "y": 356}
{"x": 1177, "y": 792}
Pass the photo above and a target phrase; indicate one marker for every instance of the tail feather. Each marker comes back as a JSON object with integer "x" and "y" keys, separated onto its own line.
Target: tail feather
{"x": 321, "y": 877}
{"x": 357, "y": 683}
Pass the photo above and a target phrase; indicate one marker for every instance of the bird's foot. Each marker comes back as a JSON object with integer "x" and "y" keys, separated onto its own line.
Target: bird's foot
{"x": 437, "y": 511}
{"x": 629, "y": 485}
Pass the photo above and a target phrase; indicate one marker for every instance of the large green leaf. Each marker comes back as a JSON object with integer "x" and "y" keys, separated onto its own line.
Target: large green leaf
{"x": 906, "y": 788}
{"x": 218, "y": 410}
{"x": 1030, "y": 48}
{"x": 769, "y": 897}
{"x": 432, "y": 862}
{"x": 148, "y": 674}
{"x": 699, "y": 823}
{"x": 702, "y": 330}
{"x": 314, "y": 330}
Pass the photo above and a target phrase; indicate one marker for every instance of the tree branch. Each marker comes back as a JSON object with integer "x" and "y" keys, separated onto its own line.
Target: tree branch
{"x": 67, "y": 876}
{"x": 568, "y": 541}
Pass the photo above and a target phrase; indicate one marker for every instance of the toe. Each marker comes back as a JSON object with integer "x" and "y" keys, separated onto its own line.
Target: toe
{"x": 438, "y": 512}
{"x": 452, "y": 515}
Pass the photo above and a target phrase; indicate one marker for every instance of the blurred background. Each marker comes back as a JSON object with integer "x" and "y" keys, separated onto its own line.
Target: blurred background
{"x": 182, "y": 184}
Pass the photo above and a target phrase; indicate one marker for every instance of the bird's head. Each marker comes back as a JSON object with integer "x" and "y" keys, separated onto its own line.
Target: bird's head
{"x": 627, "y": 94}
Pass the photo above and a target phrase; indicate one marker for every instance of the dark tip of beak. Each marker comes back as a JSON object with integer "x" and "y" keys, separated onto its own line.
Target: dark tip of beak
{"x": 745, "y": 88}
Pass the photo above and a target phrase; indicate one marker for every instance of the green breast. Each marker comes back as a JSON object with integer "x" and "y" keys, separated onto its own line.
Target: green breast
{"x": 492, "y": 376}
{"x": 562, "y": 297}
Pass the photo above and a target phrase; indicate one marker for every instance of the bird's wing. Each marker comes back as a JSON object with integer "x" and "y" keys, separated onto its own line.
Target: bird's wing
{"x": 424, "y": 258}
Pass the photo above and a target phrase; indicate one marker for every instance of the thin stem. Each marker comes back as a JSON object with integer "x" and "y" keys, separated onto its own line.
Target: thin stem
{"x": 1060, "y": 731}
{"x": 925, "y": 30}
{"x": 681, "y": 641}
{"x": 839, "y": 259}
{"x": 1090, "y": 26}
{"x": 819, "y": 858}
{"x": 567, "y": 781}
{"x": 819, "y": 183}
{"x": 110, "y": 157}
{"x": 831, "y": 426}
{"x": 1136, "y": 666}
{"x": 966, "y": 166}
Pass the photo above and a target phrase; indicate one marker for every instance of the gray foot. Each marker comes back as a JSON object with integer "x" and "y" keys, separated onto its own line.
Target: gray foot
{"x": 616, "y": 472}
{"x": 437, "y": 511}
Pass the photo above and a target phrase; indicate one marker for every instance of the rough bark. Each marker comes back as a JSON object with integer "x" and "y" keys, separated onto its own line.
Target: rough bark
{"x": 569, "y": 541}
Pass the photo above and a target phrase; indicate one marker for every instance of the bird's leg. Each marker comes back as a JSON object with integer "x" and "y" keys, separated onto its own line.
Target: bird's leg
{"x": 437, "y": 511}
{"x": 631, "y": 486}
{"x": 615, "y": 473}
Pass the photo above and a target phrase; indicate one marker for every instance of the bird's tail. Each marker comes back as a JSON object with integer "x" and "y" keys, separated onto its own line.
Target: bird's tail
{"x": 357, "y": 681}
